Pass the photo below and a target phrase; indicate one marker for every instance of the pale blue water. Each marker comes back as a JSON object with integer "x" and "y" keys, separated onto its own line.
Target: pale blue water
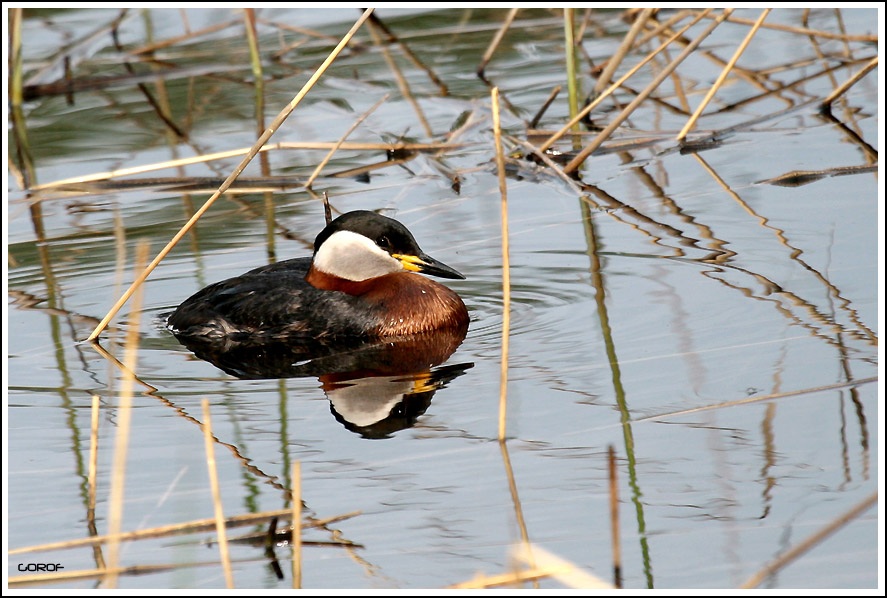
{"x": 709, "y": 493}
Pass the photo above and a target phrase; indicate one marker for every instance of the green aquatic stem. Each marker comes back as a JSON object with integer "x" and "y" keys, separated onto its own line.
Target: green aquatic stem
{"x": 597, "y": 281}
{"x": 573, "y": 86}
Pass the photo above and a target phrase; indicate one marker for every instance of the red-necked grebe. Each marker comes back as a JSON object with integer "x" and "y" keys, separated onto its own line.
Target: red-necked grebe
{"x": 361, "y": 282}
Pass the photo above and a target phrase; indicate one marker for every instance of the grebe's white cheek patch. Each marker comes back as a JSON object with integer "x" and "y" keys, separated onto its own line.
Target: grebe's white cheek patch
{"x": 351, "y": 256}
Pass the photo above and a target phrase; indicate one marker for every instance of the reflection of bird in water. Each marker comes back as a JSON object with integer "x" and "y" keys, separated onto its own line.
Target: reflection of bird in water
{"x": 355, "y": 315}
{"x": 361, "y": 282}
{"x": 378, "y": 406}
{"x": 375, "y": 387}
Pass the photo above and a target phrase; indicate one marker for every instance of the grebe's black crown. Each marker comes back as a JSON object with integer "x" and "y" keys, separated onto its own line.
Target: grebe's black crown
{"x": 387, "y": 233}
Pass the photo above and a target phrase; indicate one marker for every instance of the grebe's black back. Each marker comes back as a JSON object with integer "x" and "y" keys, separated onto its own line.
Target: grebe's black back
{"x": 361, "y": 282}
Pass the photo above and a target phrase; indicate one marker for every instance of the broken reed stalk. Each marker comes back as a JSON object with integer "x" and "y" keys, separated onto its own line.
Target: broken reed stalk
{"x": 872, "y": 38}
{"x": 623, "y": 49}
{"x": 307, "y": 145}
{"x": 275, "y": 125}
{"x": 614, "y": 517}
{"x": 191, "y": 36}
{"x": 255, "y": 59}
{"x": 723, "y": 76}
{"x": 508, "y": 579}
{"x": 554, "y": 166}
{"x": 200, "y": 525}
{"x": 334, "y": 149}
{"x": 573, "y": 90}
{"x": 393, "y": 39}
{"x": 497, "y": 39}
{"x": 767, "y": 397}
{"x": 124, "y": 419}
{"x": 787, "y": 557}
{"x": 576, "y": 162}
{"x": 296, "y": 536}
{"x": 658, "y": 28}
{"x": 402, "y": 84}
{"x": 16, "y": 94}
{"x": 515, "y": 500}
{"x": 545, "y": 105}
{"x": 221, "y": 531}
{"x": 91, "y": 477}
{"x": 563, "y": 570}
{"x": 618, "y": 83}
{"x": 506, "y": 276}
{"x": 826, "y": 103}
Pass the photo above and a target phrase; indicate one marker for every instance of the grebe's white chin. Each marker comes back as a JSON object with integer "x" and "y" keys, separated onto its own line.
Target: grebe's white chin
{"x": 354, "y": 257}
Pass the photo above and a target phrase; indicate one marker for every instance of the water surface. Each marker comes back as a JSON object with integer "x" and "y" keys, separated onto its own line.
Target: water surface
{"x": 718, "y": 332}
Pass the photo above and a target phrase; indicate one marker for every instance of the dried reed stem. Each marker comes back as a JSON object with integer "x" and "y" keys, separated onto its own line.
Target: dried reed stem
{"x": 767, "y": 397}
{"x": 275, "y": 125}
{"x": 402, "y": 84}
{"x": 809, "y": 32}
{"x": 288, "y": 145}
{"x": 296, "y": 538}
{"x": 546, "y": 159}
{"x": 658, "y": 28}
{"x": 826, "y": 103}
{"x": 391, "y": 38}
{"x": 16, "y": 95}
{"x": 563, "y": 570}
{"x": 624, "y": 47}
{"x": 723, "y": 76}
{"x": 618, "y": 83}
{"x": 787, "y": 557}
{"x": 173, "y": 41}
{"x": 539, "y": 113}
{"x": 221, "y": 532}
{"x": 515, "y": 500}
{"x": 691, "y": 47}
{"x": 506, "y": 275}
{"x": 199, "y": 525}
{"x": 339, "y": 143}
{"x": 571, "y": 67}
{"x": 91, "y": 476}
{"x": 497, "y": 39}
{"x": 614, "y": 517}
{"x": 508, "y": 579}
{"x": 124, "y": 418}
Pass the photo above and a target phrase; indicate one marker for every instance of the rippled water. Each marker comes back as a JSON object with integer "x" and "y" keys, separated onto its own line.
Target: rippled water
{"x": 719, "y": 333}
